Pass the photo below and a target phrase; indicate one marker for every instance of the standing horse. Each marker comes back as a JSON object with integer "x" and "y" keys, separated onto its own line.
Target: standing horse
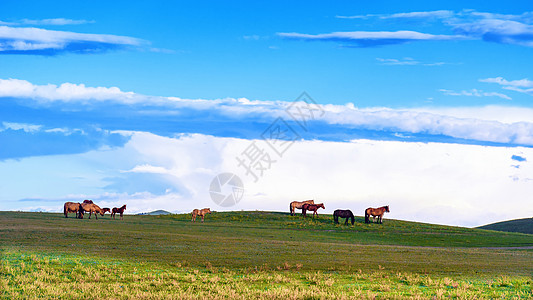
{"x": 118, "y": 210}
{"x": 312, "y": 207}
{"x": 298, "y": 205}
{"x": 376, "y": 212}
{"x": 343, "y": 214}
{"x": 71, "y": 207}
{"x": 200, "y": 212}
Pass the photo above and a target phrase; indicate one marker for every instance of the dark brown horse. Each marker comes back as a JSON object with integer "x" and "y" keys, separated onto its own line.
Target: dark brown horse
{"x": 118, "y": 210}
{"x": 72, "y": 207}
{"x": 298, "y": 205}
{"x": 312, "y": 207}
{"x": 376, "y": 212}
{"x": 343, "y": 213}
{"x": 106, "y": 209}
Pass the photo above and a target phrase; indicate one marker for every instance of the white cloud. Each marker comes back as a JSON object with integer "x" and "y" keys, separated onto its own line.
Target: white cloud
{"x": 418, "y": 180}
{"x": 406, "y": 61}
{"x": 22, "y": 126}
{"x": 475, "y": 93}
{"x": 64, "y": 92}
{"x": 522, "y": 86}
{"x": 468, "y": 24}
{"x": 29, "y": 40}
{"x": 372, "y": 38}
{"x": 409, "y": 121}
{"x": 439, "y": 14}
{"x": 55, "y": 21}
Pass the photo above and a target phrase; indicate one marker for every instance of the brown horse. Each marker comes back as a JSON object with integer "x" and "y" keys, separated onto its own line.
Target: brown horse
{"x": 92, "y": 208}
{"x": 72, "y": 207}
{"x": 312, "y": 207}
{"x": 118, "y": 210}
{"x": 298, "y": 205}
{"x": 106, "y": 209}
{"x": 200, "y": 212}
{"x": 376, "y": 212}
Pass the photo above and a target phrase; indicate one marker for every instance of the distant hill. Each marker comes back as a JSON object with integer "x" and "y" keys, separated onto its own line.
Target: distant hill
{"x": 156, "y": 213}
{"x": 520, "y": 225}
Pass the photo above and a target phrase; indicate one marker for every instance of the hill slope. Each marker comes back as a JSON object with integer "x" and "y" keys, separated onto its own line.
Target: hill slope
{"x": 266, "y": 240}
{"x": 520, "y": 225}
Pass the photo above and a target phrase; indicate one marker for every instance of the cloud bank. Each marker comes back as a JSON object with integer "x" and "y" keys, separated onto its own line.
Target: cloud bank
{"x": 248, "y": 118}
{"x": 428, "y": 182}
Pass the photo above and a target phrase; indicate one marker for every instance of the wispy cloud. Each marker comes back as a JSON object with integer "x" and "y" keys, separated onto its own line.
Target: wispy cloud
{"x": 437, "y": 14}
{"x": 56, "y": 21}
{"x": 475, "y": 93}
{"x": 465, "y": 24}
{"x": 45, "y": 22}
{"x": 523, "y": 85}
{"x": 371, "y": 38}
{"x": 406, "y": 61}
{"x": 37, "y": 41}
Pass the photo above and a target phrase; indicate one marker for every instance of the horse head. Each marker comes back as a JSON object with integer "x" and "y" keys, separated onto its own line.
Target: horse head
{"x": 321, "y": 205}
{"x": 387, "y": 208}
{"x": 208, "y": 210}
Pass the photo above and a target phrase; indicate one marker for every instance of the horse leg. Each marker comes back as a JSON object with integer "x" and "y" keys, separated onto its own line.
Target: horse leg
{"x": 122, "y": 216}
{"x": 203, "y": 218}
{"x": 346, "y": 222}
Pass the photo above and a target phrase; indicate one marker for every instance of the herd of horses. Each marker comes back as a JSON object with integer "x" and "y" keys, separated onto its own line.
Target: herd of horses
{"x": 309, "y": 205}
{"x": 88, "y": 206}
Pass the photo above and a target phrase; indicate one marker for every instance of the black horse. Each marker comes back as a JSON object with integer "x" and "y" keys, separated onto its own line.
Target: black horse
{"x": 343, "y": 213}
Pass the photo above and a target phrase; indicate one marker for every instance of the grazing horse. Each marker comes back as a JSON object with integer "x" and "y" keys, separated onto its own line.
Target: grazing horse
{"x": 118, "y": 210}
{"x": 343, "y": 214}
{"x": 200, "y": 212}
{"x": 92, "y": 208}
{"x": 312, "y": 207}
{"x": 298, "y": 205}
{"x": 376, "y": 212}
{"x": 70, "y": 207}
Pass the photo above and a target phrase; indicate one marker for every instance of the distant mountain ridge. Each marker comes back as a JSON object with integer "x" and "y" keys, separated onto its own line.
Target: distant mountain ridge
{"x": 156, "y": 213}
{"x": 519, "y": 225}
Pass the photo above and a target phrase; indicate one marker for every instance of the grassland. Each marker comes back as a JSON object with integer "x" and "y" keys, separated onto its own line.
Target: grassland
{"x": 256, "y": 255}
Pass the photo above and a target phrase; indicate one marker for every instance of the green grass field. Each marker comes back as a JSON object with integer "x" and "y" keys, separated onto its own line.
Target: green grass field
{"x": 257, "y": 255}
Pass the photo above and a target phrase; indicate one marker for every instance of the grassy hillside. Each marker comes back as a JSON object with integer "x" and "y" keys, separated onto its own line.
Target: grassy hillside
{"x": 257, "y": 255}
{"x": 520, "y": 225}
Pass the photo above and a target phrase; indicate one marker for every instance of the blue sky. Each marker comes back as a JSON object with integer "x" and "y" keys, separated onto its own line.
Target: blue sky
{"x": 93, "y": 95}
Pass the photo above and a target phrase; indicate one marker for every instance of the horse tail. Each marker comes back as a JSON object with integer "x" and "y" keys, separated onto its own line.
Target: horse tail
{"x": 65, "y": 210}
{"x": 290, "y": 209}
{"x": 335, "y": 218}
{"x": 367, "y": 216}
